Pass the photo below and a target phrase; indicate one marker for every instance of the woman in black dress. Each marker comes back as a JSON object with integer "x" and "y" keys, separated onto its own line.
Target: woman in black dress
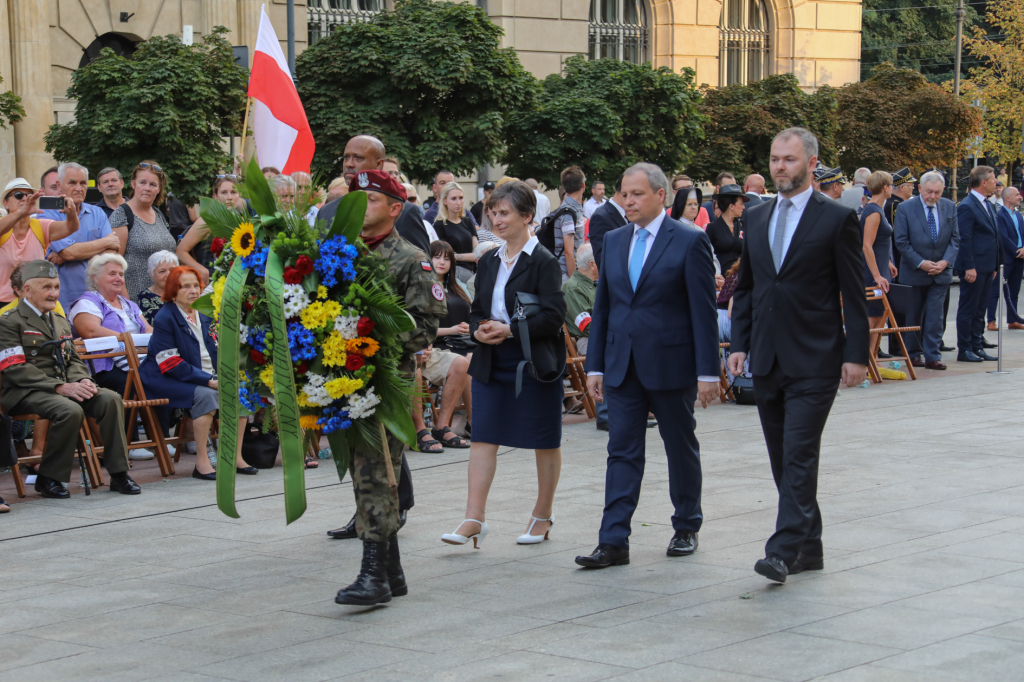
{"x": 878, "y": 268}
{"x": 453, "y": 225}
{"x": 533, "y": 418}
{"x": 726, "y": 231}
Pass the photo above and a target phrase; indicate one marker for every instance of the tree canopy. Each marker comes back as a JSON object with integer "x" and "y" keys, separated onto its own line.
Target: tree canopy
{"x": 743, "y": 120}
{"x": 170, "y": 102}
{"x": 428, "y": 79}
{"x": 897, "y": 118}
{"x": 605, "y": 115}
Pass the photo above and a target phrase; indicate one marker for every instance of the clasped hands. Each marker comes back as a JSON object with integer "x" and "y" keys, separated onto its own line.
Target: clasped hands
{"x": 934, "y": 268}
{"x": 492, "y": 332}
{"x": 78, "y": 390}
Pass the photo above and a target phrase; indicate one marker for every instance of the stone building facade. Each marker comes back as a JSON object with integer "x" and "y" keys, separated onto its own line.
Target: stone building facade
{"x": 726, "y": 41}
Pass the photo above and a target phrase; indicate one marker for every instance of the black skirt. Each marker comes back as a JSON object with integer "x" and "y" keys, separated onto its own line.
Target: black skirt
{"x": 531, "y": 421}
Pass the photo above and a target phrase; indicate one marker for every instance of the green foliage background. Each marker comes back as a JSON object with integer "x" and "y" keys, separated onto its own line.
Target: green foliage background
{"x": 169, "y": 102}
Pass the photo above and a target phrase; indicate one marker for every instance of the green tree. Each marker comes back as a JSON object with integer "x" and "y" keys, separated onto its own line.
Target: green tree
{"x": 605, "y": 115}
{"x": 745, "y": 118}
{"x": 170, "y": 102}
{"x": 11, "y": 110}
{"x": 897, "y": 118}
{"x": 428, "y": 79}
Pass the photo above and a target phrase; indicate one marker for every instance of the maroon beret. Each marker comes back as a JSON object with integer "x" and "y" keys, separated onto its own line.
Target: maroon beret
{"x": 377, "y": 181}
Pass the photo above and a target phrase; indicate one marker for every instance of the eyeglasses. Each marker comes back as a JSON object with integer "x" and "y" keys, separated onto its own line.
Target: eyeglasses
{"x": 19, "y": 195}
{"x": 229, "y": 177}
{"x": 155, "y": 167}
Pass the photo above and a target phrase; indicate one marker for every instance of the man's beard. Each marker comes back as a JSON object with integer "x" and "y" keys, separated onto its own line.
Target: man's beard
{"x": 787, "y": 185}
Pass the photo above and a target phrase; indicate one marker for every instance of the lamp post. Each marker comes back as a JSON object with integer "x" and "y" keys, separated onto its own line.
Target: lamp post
{"x": 291, "y": 39}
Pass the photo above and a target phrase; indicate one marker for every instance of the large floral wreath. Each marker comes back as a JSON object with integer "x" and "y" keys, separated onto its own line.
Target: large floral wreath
{"x": 309, "y": 326}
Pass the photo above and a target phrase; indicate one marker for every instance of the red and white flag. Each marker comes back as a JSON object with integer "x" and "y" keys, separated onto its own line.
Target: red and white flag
{"x": 280, "y": 128}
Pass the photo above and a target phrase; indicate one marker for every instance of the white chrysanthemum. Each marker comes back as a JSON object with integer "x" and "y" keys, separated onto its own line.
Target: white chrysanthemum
{"x": 362, "y": 406}
{"x": 346, "y": 326}
{"x": 243, "y": 334}
{"x": 295, "y": 300}
{"x": 315, "y": 391}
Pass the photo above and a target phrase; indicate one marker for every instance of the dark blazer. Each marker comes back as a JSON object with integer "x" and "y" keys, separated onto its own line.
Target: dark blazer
{"x": 979, "y": 237}
{"x": 409, "y": 223}
{"x": 755, "y": 199}
{"x": 604, "y": 220}
{"x": 914, "y": 241}
{"x": 795, "y": 315}
{"x": 669, "y": 325}
{"x": 173, "y": 367}
{"x": 537, "y": 273}
{"x": 726, "y": 242}
{"x": 1009, "y": 231}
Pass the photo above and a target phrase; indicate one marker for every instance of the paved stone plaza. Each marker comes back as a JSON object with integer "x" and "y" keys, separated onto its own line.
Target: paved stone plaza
{"x": 922, "y": 486}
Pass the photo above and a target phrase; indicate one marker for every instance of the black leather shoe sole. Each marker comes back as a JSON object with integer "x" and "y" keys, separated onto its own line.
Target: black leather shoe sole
{"x": 583, "y": 561}
{"x": 127, "y": 490}
{"x": 764, "y": 568}
{"x": 212, "y": 476}
{"x": 61, "y": 495}
{"x": 805, "y": 563}
{"x": 399, "y": 591}
{"x": 968, "y": 358}
{"x": 602, "y": 426}
{"x": 674, "y": 551}
{"x": 356, "y": 601}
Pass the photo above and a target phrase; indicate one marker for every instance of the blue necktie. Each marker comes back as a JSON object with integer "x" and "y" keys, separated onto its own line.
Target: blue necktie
{"x": 931, "y": 224}
{"x": 636, "y": 261}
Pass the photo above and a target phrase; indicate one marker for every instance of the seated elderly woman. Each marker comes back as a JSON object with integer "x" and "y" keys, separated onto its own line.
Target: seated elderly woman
{"x": 150, "y": 300}
{"x": 181, "y": 365}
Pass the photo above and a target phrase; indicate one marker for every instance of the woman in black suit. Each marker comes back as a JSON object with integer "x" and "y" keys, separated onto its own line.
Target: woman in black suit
{"x": 726, "y": 232}
{"x": 533, "y": 418}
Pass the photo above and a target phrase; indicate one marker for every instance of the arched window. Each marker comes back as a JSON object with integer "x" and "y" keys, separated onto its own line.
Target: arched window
{"x": 618, "y": 30}
{"x": 322, "y": 16}
{"x": 743, "y": 36}
{"x": 118, "y": 43}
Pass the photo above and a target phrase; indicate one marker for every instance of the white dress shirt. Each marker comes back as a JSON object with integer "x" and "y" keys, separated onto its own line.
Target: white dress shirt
{"x": 621, "y": 210}
{"x": 985, "y": 204}
{"x": 796, "y": 211}
{"x": 34, "y": 309}
{"x": 498, "y": 309}
{"x": 590, "y": 206}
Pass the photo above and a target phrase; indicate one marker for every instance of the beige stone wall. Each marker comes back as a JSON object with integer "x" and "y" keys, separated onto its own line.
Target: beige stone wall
{"x": 543, "y": 32}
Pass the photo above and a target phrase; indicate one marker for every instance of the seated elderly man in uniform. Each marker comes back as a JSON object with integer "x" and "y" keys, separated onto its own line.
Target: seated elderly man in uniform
{"x": 38, "y": 376}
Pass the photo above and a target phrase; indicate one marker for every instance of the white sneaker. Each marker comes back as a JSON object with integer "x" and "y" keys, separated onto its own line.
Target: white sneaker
{"x": 141, "y": 453}
{"x": 190, "y": 447}
{"x": 171, "y": 450}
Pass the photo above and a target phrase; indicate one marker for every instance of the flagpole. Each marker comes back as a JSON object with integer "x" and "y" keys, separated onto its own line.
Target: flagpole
{"x": 245, "y": 124}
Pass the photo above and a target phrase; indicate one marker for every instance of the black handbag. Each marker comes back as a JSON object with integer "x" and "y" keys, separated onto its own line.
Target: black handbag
{"x": 260, "y": 449}
{"x": 527, "y": 306}
{"x": 8, "y": 455}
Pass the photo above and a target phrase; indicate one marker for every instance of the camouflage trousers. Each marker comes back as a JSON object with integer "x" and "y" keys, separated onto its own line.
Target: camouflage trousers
{"x": 376, "y": 502}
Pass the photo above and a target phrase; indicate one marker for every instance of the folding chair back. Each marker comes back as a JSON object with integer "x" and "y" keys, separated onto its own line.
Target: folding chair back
{"x": 889, "y": 326}
{"x": 574, "y": 365}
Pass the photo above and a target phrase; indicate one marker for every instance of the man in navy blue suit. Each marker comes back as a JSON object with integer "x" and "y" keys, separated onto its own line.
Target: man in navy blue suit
{"x": 977, "y": 262}
{"x": 605, "y": 219}
{"x": 1011, "y": 232}
{"x": 653, "y": 347}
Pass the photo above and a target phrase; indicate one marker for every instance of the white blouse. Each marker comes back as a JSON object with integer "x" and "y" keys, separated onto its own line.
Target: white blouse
{"x": 498, "y": 310}
{"x": 197, "y": 331}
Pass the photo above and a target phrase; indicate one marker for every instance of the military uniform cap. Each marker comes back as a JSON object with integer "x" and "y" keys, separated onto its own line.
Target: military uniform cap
{"x": 826, "y": 176}
{"x": 35, "y": 269}
{"x": 377, "y": 181}
{"x": 902, "y": 177}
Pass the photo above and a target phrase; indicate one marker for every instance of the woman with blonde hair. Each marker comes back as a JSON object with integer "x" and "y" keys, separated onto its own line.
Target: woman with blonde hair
{"x": 878, "y": 269}
{"x": 453, "y": 225}
{"x": 140, "y": 225}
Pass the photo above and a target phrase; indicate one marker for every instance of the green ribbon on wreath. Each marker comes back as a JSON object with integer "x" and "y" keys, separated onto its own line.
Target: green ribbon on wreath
{"x": 292, "y": 456}
{"x": 227, "y": 380}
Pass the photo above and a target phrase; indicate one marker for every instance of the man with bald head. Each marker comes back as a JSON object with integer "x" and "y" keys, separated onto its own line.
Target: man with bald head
{"x": 363, "y": 153}
{"x": 753, "y": 186}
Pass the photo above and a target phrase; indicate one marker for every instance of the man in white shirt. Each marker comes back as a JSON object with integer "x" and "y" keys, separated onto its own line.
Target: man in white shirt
{"x": 543, "y": 203}
{"x": 596, "y": 199}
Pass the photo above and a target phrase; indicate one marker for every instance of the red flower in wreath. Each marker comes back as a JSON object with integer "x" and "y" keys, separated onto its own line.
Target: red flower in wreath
{"x": 292, "y": 276}
{"x": 257, "y": 357}
{"x": 365, "y": 326}
{"x": 217, "y": 245}
{"x": 304, "y": 265}
{"x": 302, "y": 367}
{"x": 354, "y": 362}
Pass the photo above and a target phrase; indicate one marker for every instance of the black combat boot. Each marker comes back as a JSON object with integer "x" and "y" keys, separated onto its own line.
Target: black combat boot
{"x": 396, "y": 576}
{"x": 371, "y": 586}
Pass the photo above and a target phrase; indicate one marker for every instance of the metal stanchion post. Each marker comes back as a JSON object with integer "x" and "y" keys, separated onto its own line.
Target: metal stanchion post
{"x": 999, "y": 325}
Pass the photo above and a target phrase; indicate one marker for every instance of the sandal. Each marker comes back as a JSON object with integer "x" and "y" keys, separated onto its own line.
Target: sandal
{"x": 457, "y": 442}
{"x": 311, "y": 463}
{"x": 424, "y": 442}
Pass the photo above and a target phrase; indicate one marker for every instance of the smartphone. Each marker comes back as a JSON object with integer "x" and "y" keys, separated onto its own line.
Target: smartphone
{"x": 51, "y": 203}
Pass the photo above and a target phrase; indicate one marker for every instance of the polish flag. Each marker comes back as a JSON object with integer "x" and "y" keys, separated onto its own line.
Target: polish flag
{"x": 280, "y": 129}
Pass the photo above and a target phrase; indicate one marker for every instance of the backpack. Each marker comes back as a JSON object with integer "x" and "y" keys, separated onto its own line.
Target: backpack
{"x": 546, "y": 232}
{"x": 37, "y": 230}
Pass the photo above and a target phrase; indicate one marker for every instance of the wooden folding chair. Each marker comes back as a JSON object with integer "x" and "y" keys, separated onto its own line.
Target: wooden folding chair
{"x": 723, "y": 379}
{"x": 876, "y": 294}
{"x": 575, "y": 368}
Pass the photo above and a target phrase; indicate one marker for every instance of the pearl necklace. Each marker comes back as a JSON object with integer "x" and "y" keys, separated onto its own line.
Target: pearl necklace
{"x": 509, "y": 260}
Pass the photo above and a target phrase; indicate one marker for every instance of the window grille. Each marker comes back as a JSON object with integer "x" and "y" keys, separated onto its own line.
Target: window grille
{"x": 322, "y": 16}
{"x": 744, "y": 48}
{"x": 618, "y": 30}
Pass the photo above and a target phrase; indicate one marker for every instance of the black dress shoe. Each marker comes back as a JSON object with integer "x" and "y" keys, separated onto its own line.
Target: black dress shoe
{"x": 773, "y": 568}
{"x": 651, "y": 423}
{"x": 349, "y": 531}
{"x": 212, "y": 476}
{"x": 806, "y": 562}
{"x": 48, "y": 487}
{"x": 985, "y": 356}
{"x": 968, "y": 356}
{"x": 986, "y": 344}
{"x": 604, "y": 556}
{"x": 602, "y": 426}
{"x": 882, "y": 355}
{"x": 918, "y": 361}
{"x": 248, "y": 471}
{"x": 946, "y": 349}
{"x": 684, "y": 543}
{"x": 124, "y": 484}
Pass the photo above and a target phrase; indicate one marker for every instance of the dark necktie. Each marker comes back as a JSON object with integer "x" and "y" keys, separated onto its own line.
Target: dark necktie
{"x": 931, "y": 224}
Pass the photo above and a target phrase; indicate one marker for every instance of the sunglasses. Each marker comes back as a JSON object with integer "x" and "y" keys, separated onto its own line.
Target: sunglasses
{"x": 229, "y": 177}
{"x": 19, "y": 195}
{"x": 155, "y": 167}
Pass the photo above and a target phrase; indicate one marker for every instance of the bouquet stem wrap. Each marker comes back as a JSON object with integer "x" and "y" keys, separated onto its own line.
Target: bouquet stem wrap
{"x": 227, "y": 372}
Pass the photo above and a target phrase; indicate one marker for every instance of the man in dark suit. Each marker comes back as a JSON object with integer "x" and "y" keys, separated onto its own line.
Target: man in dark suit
{"x": 977, "y": 262}
{"x": 610, "y": 216}
{"x": 801, "y": 253}
{"x": 653, "y": 346}
{"x": 1011, "y": 232}
{"x": 927, "y": 238}
{"x": 363, "y": 153}
{"x": 753, "y": 187}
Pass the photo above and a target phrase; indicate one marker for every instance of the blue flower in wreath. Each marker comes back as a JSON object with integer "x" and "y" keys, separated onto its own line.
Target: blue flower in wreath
{"x": 334, "y": 419}
{"x": 257, "y": 260}
{"x": 301, "y": 342}
{"x": 257, "y": 339}
{"x": 337, "y": 260}
{"x": 248, "y": 397}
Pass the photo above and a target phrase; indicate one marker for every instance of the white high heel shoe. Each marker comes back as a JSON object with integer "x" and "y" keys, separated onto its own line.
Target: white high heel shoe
{"x": 478, "y": 537}
{"x": 528, "y": 539}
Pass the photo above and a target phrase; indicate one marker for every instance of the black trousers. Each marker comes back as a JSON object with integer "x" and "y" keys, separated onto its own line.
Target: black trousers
{"x": 970, "y": 314}
{"x": 406, "y": 500}
{"x": 793, "y": 413}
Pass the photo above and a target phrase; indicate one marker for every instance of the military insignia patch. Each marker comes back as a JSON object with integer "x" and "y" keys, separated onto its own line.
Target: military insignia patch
{"x": 10, "y": 357}
{"x": 437, "y": 292}
{"x": 426, "y": 266}
{"x": 363, "y": 180}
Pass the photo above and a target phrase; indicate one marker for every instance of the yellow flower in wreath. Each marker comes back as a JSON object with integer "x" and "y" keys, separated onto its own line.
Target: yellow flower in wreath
{"x": 342, "y": 386}
{"x": 335, "y": 353}
{"x": 318, "y": 314}
{"x": 243, "y": 240}
{"x": 307, "y": 422}
{"x": 218, "y": 294}
{"x": 267, "y": 376}
{"x": 364, "y": 346}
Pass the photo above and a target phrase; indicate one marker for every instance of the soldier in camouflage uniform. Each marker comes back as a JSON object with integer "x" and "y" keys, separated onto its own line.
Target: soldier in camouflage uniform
{"x": 381, "y": 576}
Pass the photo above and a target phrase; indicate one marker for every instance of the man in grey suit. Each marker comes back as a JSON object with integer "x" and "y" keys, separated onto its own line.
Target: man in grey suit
{"x": 853, "y": 197}
{"x": 928, "y": 240}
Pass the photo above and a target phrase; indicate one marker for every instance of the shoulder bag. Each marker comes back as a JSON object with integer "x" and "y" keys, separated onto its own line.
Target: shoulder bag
{"x": 527, "y": 306}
